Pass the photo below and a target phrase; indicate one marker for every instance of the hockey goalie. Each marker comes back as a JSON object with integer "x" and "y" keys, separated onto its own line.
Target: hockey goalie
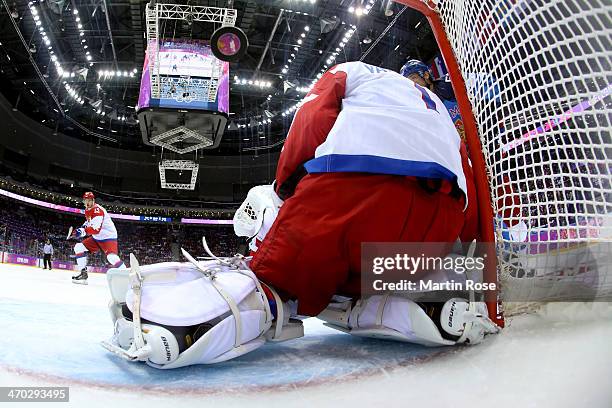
{"x": 371, "y": 156}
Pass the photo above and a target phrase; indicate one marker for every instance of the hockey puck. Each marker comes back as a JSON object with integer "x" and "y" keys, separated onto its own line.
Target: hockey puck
{"x": 229, "y": 43}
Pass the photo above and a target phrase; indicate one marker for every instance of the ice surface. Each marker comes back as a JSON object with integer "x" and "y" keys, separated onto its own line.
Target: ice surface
{"x": 51, "y": 329}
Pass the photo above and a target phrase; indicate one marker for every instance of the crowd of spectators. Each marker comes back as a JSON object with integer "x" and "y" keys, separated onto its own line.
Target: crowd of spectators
{"x": 24, "y": 229}
{"x": 55, "y": 192}
{"x": 563, "y": 194}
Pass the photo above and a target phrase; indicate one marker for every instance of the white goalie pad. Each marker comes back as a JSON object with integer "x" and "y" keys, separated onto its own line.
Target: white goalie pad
{"x": 385, "y": 317}
{"x": 180, "y": 294}
{"x": 191, "y": 302}
{"x": 193, "y": 313}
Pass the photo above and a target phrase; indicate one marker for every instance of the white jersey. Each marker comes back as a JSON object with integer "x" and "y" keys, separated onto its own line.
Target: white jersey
{"x": 99, "y": 224}
{"x": 346, "y": 124}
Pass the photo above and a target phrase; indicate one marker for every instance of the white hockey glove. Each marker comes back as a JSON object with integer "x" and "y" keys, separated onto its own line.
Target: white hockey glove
{"x": 256, "y": 214}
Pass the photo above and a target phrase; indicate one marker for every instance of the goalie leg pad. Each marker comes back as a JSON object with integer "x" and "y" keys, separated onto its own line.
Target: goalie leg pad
{"x": 180, "y": 295}
{"x": 389, "y": 317}
{"x": 401, "y": 319}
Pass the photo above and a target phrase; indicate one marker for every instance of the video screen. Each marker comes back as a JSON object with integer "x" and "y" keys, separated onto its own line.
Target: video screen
{"x": 185, "y": 68}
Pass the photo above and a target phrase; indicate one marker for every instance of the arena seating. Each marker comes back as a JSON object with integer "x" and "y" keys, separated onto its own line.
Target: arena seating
{"x": 24, "y": 228}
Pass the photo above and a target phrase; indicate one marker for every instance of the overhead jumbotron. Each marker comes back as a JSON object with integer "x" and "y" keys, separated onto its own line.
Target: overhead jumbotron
{"x": 183, "y": 104}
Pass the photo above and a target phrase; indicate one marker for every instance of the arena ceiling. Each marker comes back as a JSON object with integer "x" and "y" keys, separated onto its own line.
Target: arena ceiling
{"x": 290, "y": 43}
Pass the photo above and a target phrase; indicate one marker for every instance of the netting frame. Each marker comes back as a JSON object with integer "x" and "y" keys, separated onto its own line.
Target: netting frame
{"x": 481, "y": 177}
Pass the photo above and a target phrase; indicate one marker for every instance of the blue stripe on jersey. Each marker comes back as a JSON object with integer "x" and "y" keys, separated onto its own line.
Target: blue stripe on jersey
{"x": 377, "y": 165}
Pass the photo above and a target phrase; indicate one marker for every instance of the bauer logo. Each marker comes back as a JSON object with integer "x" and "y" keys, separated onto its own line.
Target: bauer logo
{"x": 450, "y": 314}
{"x": 167, "y": 346}
{"x": 433, "y": 270}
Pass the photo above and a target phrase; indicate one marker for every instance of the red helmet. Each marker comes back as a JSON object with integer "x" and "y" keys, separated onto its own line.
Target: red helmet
{"x": 88, "y": 194}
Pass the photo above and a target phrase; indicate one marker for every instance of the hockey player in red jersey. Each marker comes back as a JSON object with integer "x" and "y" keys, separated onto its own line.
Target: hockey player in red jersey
{"x": 370, "y": 157}
{"x": 101, "y": 236}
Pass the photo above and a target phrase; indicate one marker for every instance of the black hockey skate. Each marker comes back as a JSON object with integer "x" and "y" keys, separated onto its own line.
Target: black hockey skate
{"x": 81, "y": 278}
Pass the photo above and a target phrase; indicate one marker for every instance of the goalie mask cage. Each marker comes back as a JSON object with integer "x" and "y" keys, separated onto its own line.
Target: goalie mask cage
{"x": 532, "y": 81}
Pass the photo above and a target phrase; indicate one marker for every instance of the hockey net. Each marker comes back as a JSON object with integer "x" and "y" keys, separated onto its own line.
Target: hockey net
{"x": 533, "y": 81}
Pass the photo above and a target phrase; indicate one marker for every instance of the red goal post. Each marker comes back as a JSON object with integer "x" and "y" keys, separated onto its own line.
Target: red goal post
{"x": 428, "y": 8}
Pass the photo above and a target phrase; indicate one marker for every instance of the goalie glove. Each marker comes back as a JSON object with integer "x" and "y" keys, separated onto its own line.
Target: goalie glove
{"x": 256, "y": 214}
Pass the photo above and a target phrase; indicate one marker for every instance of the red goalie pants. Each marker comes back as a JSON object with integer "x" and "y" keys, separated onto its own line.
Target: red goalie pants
{"x": 313, "y": 250}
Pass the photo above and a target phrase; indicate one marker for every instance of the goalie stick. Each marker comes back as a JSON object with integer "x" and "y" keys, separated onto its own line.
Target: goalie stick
{"x": 69, "y": 233}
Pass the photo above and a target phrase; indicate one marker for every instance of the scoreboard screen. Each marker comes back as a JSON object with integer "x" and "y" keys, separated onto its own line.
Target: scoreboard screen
{"x": 185, "y": 69}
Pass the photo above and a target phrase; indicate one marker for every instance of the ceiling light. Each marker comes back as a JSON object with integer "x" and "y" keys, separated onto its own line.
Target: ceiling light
{"x": 351, "y": 9}
{"x": 307, "y": 28}
{"x": 299, "y": 42}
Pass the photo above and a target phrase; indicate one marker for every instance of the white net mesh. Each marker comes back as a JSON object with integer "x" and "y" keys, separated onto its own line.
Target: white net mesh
{"x": 538, "y": 76}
